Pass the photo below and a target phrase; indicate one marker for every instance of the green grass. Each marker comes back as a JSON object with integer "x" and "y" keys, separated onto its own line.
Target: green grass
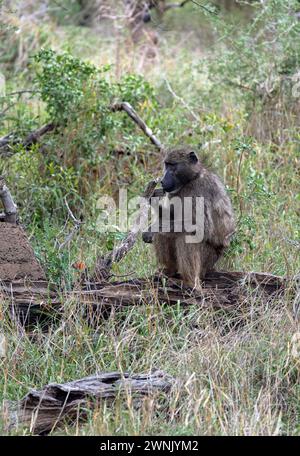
{"x": 237, "y": 373}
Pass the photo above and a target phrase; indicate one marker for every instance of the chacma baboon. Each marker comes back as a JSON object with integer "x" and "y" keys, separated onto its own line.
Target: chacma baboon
{"x": 185, "y": 179}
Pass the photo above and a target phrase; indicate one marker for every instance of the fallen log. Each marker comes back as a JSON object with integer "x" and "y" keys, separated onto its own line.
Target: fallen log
{"x": 30, "y": 301}
{"x": 44, "y": 410}
{"x": 220, "y": 290}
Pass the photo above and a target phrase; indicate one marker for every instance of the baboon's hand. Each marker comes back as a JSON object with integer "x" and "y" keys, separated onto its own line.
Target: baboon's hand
{"x": 158, "y": 193}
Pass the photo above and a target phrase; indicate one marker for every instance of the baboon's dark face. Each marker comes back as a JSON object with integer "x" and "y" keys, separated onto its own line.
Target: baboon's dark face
{"x": 146, "y": 17}
{"x": 180, "y": 168}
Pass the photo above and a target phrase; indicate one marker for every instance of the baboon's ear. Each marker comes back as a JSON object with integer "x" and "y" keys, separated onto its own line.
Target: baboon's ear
{"x": 193, "y": 157}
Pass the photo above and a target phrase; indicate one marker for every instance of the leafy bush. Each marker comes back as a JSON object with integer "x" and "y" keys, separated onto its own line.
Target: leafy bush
{"x": 258, "y": 63}
{"x": 77, "y": 93}
{"x": 61, "y": 80}
{"x": 65, "y": 80}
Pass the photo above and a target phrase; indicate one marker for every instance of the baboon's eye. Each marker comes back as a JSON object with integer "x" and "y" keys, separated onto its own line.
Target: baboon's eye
{"x": 193, "y": 157}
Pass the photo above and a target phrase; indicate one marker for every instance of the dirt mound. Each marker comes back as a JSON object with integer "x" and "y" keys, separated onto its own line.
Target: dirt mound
{"x": 17, "y": 258}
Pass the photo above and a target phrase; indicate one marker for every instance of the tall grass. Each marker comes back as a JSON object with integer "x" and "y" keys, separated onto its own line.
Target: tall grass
{"x": 237, "y": 373}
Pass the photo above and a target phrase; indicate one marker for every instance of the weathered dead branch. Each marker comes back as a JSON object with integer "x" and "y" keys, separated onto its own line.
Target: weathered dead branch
{"x": 220, "y": 290}
{"x": 10, "y": 209}
{"x": 9, "y": 141}
{"x": 124, "y": 106}
{"x": 30, "y": 301}
{"x": 103, "y": 264}
{"x": 42, "y": 411}
{"x": 36, "y": 300}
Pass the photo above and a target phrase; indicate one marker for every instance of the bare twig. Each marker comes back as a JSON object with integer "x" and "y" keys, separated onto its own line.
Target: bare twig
{"x": 21, "y": 92}
{"x": 10, "y": 209}
{"x": 182, "y": 101}
{"x": 75, "y": 220}
{"x": 239, "y": 85}
{"x": 204, "y": 7}
{"x": 76, "y": 228}
{"x": 2, "y": 113}
{"x": 210, "y": 143}
{"x": 18, "y": 93}
{"x": 175, "y": 5}
{"x": 124, "y": 106}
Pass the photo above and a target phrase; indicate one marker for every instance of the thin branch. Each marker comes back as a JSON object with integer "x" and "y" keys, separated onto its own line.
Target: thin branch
{"x": 18, "y": 93}
{"x": 21, "y": 92}
{"x": 238, "y": 85}
{"x": 182, "y": 101}
{"x": 124, "y": 106}
{"x": 2, "y": 113}
{"x": 10, "y": 140}
{"x": 175, "y": 5}
{"x": 104, "y": 264}
{"x": 75, "y": 220}
{"x": 204, "y": 7}
{"x": 76, "y": 228}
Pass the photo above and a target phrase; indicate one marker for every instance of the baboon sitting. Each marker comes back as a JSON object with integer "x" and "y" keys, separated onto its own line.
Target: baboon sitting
{"x": 185, "y": 176}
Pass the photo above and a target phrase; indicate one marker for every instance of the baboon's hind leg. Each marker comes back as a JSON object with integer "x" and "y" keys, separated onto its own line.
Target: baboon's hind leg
{"x": 189, "y": 262}
{"x": 210, "y": 255}
{"x": 166, "y": 253}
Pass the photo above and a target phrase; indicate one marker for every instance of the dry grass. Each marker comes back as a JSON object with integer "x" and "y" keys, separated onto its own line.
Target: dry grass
{"x": 238, "y": 373}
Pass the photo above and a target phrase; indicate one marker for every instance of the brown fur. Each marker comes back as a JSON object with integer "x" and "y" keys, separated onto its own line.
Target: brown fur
{"x": 193, "y": 261}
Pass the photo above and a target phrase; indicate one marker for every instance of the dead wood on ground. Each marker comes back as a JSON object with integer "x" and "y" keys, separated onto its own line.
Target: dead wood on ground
{"x": 97, "y": 300}
{"x": 220, "y": 290}
{"x": 42, "y": 411}
{"x": 30, "y": 301}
